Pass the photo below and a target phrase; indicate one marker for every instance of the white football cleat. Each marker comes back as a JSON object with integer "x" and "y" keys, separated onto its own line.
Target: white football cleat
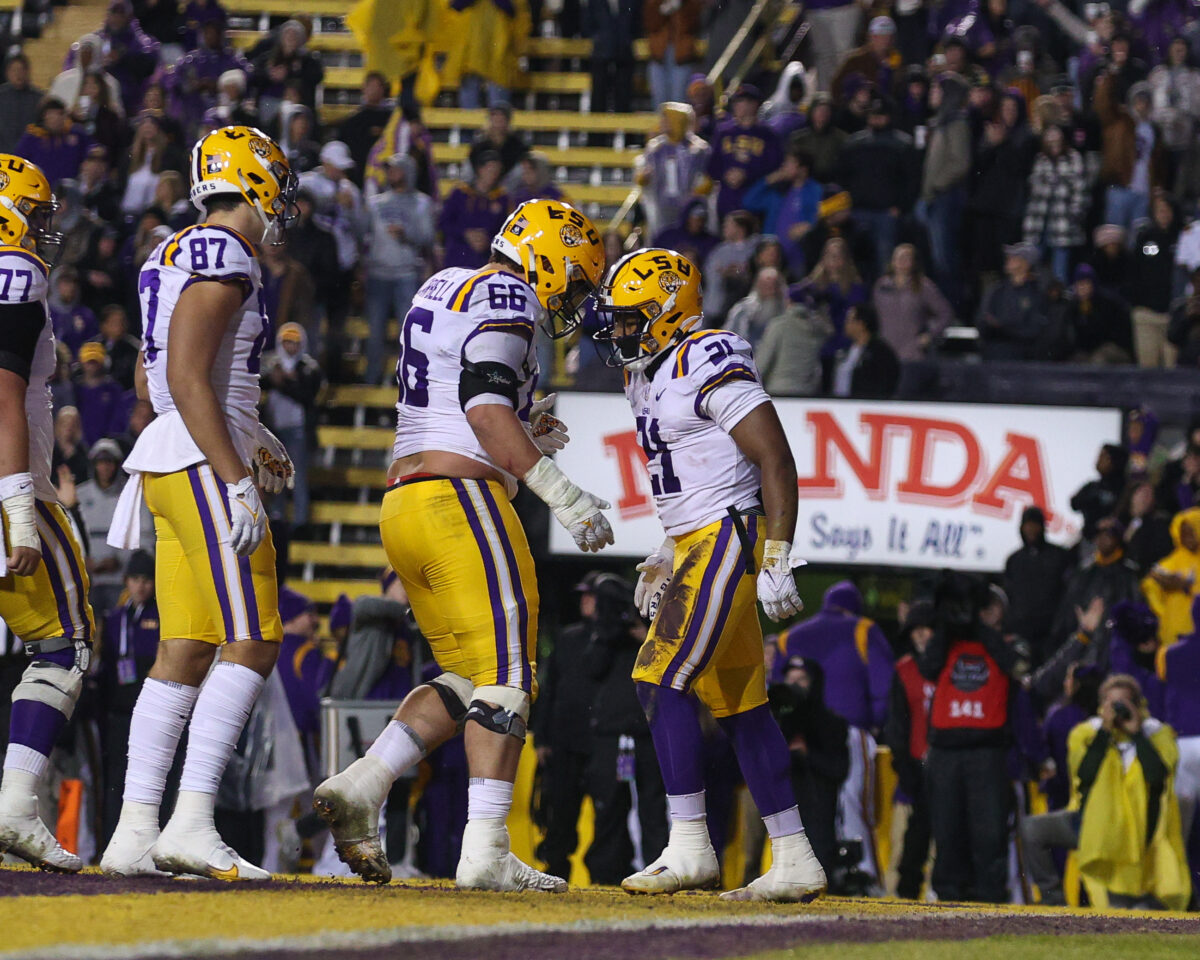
{"x": 349, "y": 802}
{"x": 487, "y": 864}
{"x": 23, "y": 834}
{"x": 677, "y": 869}
{"x": 128, "y": 853}
{"x": 189, "y": 851}
{"x": 796, "y": 875}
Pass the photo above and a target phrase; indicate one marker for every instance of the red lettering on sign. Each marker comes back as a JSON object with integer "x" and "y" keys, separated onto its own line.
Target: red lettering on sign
{"x": 1020, "y": 473}
{"x": 827, "y": 433}
{"x": 635, "y": 478}
{"x": 923, "y": 438}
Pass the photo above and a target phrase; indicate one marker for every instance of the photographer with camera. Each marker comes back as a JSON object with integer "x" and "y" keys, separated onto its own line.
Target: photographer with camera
{"x": 1123, "y": 817}
{"x": 623, "y": 764}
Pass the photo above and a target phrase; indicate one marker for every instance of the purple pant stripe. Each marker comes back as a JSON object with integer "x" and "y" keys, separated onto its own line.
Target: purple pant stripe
{"x": 735, "y": 578}
{"x": 73, "y": 565}
{"x": 60, "y": 593}
{"x": 499, "y": 620}
{"x": 213, "y": 543}
{"x": 518, "y": 587}
{"x": 35, "y": 725}
{"x": 246, "y": 579}
{"x": 692, "y": 637}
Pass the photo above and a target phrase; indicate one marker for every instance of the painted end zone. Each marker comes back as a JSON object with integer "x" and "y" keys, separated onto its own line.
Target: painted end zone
{"x": 90, "y": 916}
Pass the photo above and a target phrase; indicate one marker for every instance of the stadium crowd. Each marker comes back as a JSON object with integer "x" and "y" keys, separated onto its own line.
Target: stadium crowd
{"x": 1041, "y": 160}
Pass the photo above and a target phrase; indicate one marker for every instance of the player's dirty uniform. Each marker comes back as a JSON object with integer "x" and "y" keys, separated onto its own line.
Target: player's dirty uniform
{"x": 706, "y": 636}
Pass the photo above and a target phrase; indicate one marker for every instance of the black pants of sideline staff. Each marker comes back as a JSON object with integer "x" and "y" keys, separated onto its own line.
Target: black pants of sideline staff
{"x": 610, "y": 858}
{"x": 969, "y": 801}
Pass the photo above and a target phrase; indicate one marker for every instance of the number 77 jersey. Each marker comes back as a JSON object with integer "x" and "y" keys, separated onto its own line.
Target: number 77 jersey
{"x": 684, "y": 404}
{"x": 200, "y": 253}
{"x": 467, "y": 339}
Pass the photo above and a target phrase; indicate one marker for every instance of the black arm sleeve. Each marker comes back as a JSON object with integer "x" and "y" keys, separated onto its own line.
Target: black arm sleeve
{"x": 487, "y": 376}
{"x": 1155, "y": 772}
{"x": 1089, "y": 766}
{"x": 22, "y": 324}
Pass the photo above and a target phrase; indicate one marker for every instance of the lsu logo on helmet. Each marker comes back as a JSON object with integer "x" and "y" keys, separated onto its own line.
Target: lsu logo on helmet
{"x": 648, "y": 301}
{"x": 28, "y": 206}
{"x": 559, "y": 253}
{"x": 245, "y": 162}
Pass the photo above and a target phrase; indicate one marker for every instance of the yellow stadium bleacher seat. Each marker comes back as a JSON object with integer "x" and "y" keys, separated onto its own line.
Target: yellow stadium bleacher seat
{"x": 288, "y": 8}
{"x": 352, "y": 514}
{"x": 338, "y": 554}
{"x": 356, "y": 438}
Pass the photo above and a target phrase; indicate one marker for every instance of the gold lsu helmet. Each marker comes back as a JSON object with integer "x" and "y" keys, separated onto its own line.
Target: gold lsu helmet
{"x": 28, "y": 207}
{"x": 245, "y": 162}
{"x": 650, "y": 299}
{"x": 559, "y": 252}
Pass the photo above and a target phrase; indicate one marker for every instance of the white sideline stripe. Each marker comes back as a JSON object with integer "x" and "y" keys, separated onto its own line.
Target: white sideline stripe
{"x": 389, "y": 936}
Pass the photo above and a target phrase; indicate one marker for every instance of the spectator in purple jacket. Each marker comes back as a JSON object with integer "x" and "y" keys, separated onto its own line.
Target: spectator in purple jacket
{"x": 54, "y": 143}
{"x": 192, "y": 83}
{"x": 304, "y": 669}
{"x": 858, "y": 664}
{"x": 196, "y": 16}
{"x": 99, "y": 396}
{"x": 690, "y": 236}
{"x": 473, "y": 213}
{"x": 130, "y": 54}
{"x": 744, "y": 150}
{"x": 73, "y": 322}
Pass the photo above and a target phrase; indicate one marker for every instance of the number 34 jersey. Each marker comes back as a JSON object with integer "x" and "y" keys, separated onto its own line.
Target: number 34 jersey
{"x": 194, "y": 254}
{"x": 684, "y": 406}
{"x": 462, "y": 319}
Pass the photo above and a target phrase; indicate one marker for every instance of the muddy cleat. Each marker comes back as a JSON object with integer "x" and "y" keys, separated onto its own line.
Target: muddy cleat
{"x": 676, "y": 869}
{"x": 795, "y": 876}
{"x": 349, "y": 802}
{"x": 186, "y": 850}
{"x": 128, "y": 853}
{"x": 23, "y": 834}
{"x": 487, "y": 864}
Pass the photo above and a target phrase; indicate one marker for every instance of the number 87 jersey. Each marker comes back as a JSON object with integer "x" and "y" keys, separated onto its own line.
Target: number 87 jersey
{"x": 467, "y": 339}
{"x": 199, "y": 253}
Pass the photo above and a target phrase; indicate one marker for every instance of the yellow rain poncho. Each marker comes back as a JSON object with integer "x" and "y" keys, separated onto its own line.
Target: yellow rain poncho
{"x": 483, "y": 39}
{"x": 1174, "y": 607}
{"x": 1114, "y": 855}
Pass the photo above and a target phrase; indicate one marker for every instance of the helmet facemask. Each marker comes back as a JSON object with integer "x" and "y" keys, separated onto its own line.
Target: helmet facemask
{"x": 284, "y": 212}
{"x": 565, "y": 312}
{"x": 38, "y": 217}
{"x": 625, "y": 331}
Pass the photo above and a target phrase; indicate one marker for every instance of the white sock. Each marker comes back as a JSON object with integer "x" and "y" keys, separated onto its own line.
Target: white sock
{"x": 26, "y": 760}
{"x": 686, "y": 806}
{"x": 222, "y": 710}
{"x": 398, "y": 748}
{"x": 489, "y": 799}
{"x": 785, "y": 823}
{"x": 159, "y": 718}
{"x": 194, "y": 808}
{"x": 20, "y": 784}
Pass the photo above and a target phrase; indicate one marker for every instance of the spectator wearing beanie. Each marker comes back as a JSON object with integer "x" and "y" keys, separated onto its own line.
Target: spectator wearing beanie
{"x": 98, "y": 394}
{"x": 878, "y": 166}
{"x": 1012, "y": 317}
{"x": 820, "y": 139}
{"x": 54, "y": 143}
{"x": 1112, "y": 260}
{"x": 1098, "y": 498}
{"x": 473, "y": 213}
{"x": 877, "y": 60}
{"x": 1152, "y": 282}
{"x": 73, "y": 322}
{"x": 1034, "y": 578}
{"x": 1099, "y": 322}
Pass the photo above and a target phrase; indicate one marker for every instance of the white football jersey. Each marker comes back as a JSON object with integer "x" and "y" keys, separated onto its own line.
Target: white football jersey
{"x": 684, "y": 411}
{"x": 23, "y": 279}
{"x": 459, "y": 317}
{"x": 196, "y": 253}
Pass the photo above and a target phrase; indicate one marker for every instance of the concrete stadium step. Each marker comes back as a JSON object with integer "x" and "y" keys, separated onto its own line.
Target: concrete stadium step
{"x": 338, "y": 554}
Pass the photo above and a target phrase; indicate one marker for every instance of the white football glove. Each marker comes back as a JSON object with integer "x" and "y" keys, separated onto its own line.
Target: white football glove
{"x": 17, "y": 501}
{"x": 547, "y": 432}
{"x": 271, "y": 465}
{"x": 575, "y": 509}
{"x": 247, "y": 518}
{"x": 656, "y": 572}
{"x": 776, "y": 586}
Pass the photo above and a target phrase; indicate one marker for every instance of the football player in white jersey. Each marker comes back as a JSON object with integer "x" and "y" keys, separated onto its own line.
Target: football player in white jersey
{"x": 724, "y": 484}
{"x": 43, "y": 581}
{"x": 197, "y": 464}
{"x": 466, "y": 372}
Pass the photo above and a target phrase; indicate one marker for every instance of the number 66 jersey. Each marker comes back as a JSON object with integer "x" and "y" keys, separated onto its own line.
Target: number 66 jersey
{"x": 684, "y": 404}
{"x": 196, "y": 253}
{"x": 468, "y": 338}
